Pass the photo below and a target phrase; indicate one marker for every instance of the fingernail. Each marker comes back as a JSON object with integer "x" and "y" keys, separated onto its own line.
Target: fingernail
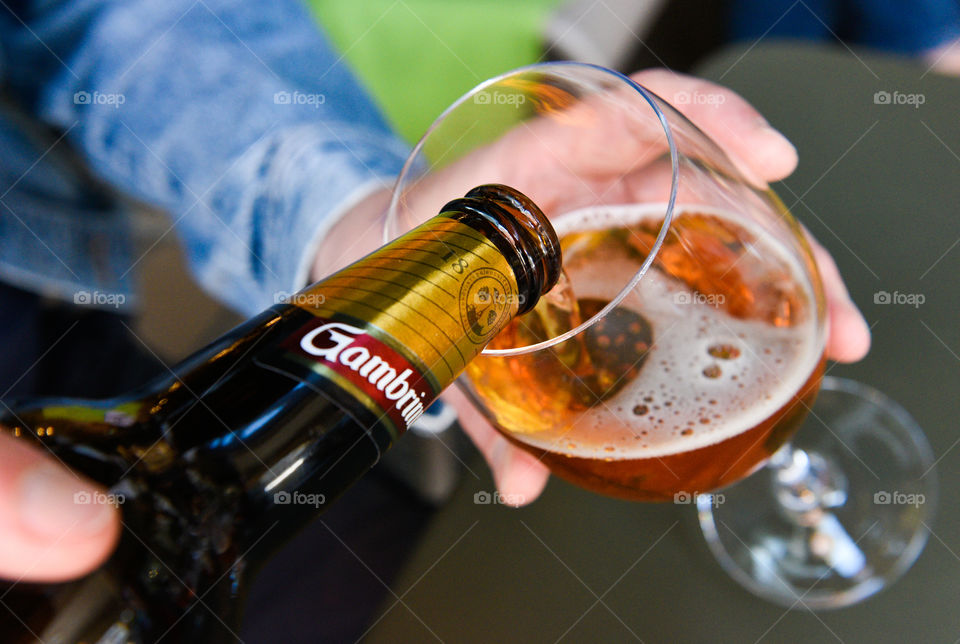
{"x": 841, "y": 297}
{"x": 853, "y": 315}
{"x": 501, "y": 457}
{"x": 54, "y": 503}
{"x": 771, "y": 133}
{"x": 855, "y": 312}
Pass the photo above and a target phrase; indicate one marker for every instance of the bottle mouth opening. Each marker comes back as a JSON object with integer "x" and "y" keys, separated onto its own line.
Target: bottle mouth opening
{"x": 535, "y": 232}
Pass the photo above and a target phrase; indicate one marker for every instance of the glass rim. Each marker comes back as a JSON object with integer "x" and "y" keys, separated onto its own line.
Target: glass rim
{"x": 651, "y": 101}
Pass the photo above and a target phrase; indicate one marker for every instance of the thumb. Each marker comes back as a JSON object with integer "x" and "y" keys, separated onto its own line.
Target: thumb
{"x": 54, "y": 525}
{"x": 519, "y": 476}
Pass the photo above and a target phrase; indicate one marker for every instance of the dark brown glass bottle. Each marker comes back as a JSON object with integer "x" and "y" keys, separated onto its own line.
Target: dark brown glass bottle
{"x": 252, "y": 437}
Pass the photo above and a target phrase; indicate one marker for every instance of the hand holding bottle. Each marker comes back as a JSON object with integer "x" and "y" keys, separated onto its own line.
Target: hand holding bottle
{"x": 54, "y": 524}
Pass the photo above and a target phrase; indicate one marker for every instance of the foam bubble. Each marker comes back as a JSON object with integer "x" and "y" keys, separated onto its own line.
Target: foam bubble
{"x": 708, "y": 376}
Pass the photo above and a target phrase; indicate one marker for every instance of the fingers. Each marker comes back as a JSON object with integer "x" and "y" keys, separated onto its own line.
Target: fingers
{"x": 757, "y": 149}
{"x": 589, "y": 147}
{"x": 848, "y": 337}
{"x": 47, "y": 533}
{"x": 519, "y": 476}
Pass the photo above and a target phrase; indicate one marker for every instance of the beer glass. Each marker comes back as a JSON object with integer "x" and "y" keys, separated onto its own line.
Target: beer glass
{"x": 685, "y": 343}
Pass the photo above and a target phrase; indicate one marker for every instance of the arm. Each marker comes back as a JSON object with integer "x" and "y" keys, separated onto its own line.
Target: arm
{"x": 236, "y": 117}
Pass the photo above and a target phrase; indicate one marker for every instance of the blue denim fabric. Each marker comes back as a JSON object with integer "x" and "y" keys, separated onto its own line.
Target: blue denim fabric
{"x": 237, "y": 117}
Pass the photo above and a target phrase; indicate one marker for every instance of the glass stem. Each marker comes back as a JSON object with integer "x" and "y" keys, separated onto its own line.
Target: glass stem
{"x": 804, "y": 482}
{"x": 807, "y": 487}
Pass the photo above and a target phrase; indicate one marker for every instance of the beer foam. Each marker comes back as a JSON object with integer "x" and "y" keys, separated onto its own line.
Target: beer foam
{"x": 684, "y": 397}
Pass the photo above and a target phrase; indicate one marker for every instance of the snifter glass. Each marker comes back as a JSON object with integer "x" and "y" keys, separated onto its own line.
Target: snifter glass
{"x": 685, "y": 345}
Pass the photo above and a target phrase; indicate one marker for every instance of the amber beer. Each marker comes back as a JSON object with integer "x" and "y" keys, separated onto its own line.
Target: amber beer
{"x": 690, "y": 384}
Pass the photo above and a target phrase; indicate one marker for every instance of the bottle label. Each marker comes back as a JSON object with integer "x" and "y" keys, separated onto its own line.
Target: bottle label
{"x": 365, "y": 366}
{"x": 397, "y": 327}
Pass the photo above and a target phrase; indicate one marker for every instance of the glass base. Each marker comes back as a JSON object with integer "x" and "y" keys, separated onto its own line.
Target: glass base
{"x": 837, "y": 514}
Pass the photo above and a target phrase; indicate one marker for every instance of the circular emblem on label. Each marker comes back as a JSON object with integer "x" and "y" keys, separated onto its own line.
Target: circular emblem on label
{"x": 486, "y": 297}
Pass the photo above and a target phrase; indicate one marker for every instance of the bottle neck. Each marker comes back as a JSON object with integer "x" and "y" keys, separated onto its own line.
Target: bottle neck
{"x": 397, "y": 327}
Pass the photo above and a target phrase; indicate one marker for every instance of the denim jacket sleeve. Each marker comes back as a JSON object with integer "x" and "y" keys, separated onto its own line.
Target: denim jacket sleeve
{"x": 237, "y": 117}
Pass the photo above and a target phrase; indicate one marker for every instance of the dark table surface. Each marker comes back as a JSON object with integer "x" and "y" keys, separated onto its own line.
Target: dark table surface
{"x": 879, "y": 185}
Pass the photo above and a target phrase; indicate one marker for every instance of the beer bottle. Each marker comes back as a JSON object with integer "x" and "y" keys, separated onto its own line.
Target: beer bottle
{"x": 250, "y": 438}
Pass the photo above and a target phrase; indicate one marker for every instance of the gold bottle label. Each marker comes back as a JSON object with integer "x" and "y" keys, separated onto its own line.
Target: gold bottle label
{"x": 397, "y": 327}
